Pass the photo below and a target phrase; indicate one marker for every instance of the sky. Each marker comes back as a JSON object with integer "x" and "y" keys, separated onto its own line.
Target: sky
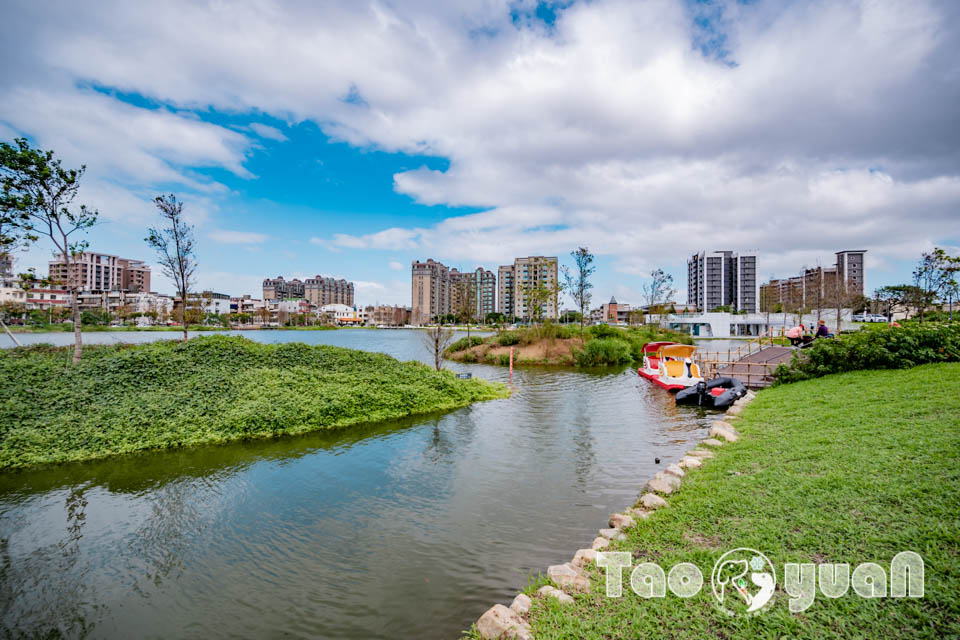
{"x": 349, "y": 137}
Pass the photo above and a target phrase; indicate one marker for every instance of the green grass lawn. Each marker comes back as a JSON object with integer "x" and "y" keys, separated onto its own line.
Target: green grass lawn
{"x": 125, "y": 398}
{"x": 851, "y": 468}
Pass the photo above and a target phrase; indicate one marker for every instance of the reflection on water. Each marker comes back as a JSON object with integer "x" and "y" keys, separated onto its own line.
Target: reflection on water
{"x": 404, "y": 529}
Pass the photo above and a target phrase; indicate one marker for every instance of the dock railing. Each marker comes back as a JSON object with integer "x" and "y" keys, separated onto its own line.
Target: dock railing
{"x": 730, "y": 362}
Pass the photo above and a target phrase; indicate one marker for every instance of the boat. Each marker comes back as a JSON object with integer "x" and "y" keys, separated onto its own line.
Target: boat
{"x": 718, "y": 393}
{"x": 671, "y": 367}
{"x": 650, "y": 367}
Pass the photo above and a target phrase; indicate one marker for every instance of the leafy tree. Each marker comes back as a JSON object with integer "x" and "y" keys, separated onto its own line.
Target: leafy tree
{"x": 578, "y": 284}
{"x": 893, "y": 296}
{"x": 175, "y": 250}
{"x": 37, "y": 199}
{"x": 495, "y": 317}
{"x": 98, "y": 317}
{"x": 659, "y": 290}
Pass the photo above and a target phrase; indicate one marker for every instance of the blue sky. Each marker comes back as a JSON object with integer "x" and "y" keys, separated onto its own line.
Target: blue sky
{"x": 350, "y": 138}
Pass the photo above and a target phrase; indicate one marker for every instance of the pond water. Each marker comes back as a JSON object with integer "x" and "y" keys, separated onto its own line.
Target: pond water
{"x": 406, "y": 529}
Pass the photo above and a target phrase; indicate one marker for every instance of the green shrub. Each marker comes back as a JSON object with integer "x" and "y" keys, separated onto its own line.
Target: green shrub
{"x": 604, "y": 331}
{"x": 603, "y": 351}
{"x": 468, "y": 357}
{"x": 886, "y": 348}
{"x": 508, "y": 338}
{"x": 504, "y": 359}
{"x": 125, "y": 398}
{"x": 464, "y": 343}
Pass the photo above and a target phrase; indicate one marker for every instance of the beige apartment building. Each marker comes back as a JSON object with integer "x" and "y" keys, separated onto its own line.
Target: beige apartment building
{"x": 101, "y": 272}
{"x": 519, "y": 279}
{"x": 280, "y": 289}
{"x": 320, "y": 291}
{"x": 430, "y": 291}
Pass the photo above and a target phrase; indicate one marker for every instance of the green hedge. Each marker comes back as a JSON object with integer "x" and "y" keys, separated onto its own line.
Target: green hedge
{"x": 878, "y": 348}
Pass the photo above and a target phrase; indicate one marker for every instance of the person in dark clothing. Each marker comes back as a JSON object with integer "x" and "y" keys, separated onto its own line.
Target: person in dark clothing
{"x": 822, "y": 331}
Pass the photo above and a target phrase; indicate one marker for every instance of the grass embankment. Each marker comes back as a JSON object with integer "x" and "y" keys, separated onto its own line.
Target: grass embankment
{"x": 851, "y": 468}
{"x": 124, "y": 398}
{"x": 553, "y": 344}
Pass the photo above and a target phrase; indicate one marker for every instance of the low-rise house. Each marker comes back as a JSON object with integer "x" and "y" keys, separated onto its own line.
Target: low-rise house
{"x": 342, "y": 314}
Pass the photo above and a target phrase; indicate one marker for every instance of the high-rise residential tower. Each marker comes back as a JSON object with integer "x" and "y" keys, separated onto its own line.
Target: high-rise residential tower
{"x": 722, "y": 279}
{"x": 430, "y": 291}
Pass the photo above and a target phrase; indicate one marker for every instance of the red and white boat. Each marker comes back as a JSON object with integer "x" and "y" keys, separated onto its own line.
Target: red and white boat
{"x": 670, "y": 365}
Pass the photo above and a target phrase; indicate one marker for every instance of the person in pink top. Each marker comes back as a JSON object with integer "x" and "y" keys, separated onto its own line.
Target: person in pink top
{"x": 795, "y": 334}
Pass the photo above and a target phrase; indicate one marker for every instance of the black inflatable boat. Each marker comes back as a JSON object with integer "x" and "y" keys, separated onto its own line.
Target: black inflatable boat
{"x": 718, "y": 393}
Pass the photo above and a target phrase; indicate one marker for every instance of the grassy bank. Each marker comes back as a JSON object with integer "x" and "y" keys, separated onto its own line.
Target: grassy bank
{"x": 849, "y": 468}
{"x": 124, "y": 398}
{"x": 553, "y": 344}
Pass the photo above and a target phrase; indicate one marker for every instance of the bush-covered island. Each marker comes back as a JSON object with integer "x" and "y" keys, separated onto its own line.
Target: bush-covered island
{"x": 124, "y": 398}
{"x": 555, "y": 344}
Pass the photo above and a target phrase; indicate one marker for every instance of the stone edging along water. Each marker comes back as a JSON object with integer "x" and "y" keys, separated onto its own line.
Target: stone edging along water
{"x": 510, "y": 622}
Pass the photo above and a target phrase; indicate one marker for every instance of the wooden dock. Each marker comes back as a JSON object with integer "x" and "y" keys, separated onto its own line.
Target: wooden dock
{"x": 753, "y": 363}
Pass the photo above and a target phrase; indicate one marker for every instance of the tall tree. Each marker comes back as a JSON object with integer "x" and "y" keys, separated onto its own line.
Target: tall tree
{"x": 175, "y": 250}
{"x": 659, "y": 290}
{"x": 578, "y": 284}
{"x": 932, "y": 278}
{"x": 37, "y": 198}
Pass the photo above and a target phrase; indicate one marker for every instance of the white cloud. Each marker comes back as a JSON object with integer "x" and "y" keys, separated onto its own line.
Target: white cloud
{"x": 395, "y": 238}
{"x": 225, "y": 236}
{"x": 396, "y": 266}
{"x": 266, "y": 131}
{"x": 825, "y": 126}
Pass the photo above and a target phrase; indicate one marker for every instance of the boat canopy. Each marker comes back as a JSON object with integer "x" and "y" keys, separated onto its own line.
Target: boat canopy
{"x": 653, "y": 347}
{"x": 679, "y": 351}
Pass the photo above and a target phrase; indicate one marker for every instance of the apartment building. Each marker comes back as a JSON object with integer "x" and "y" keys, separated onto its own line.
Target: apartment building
{"x": 851, "y": 269}
{"x": 506, "y": 283}
{"x": 463, "y": 291}
{"x": 387, "y": 316}
{"x": 47, "y": 298}
{"x": 280, "y": 289}
{"x": 532, "y": 273}
{"x": 101, "y": 272}
{"x": 722, "y": 278}
{"x": 486, "y": 288}
{"x": 430, "y": 293}
{"x": 320, "y": 291}
{"x": 818, "y": 285}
